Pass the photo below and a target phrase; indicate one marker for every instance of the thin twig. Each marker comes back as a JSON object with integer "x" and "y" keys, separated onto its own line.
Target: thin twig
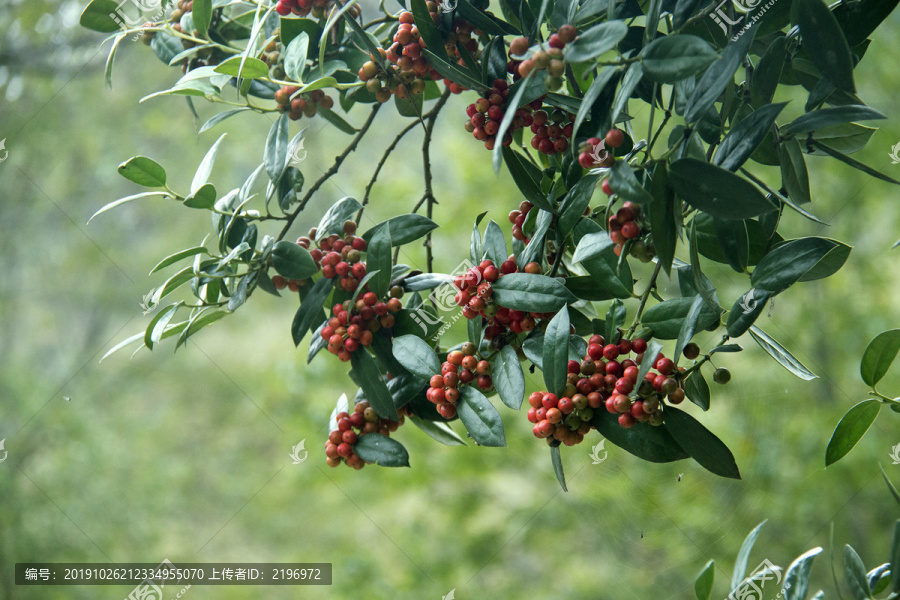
{"x": 426, "y": 162}
{"x": 381, "y": 162}
{"x": 331, "y": 171}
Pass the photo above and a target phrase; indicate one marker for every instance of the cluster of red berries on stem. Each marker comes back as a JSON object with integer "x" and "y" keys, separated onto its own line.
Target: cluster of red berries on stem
{"x": 350, "y": 428}
{"x": 595, "y": 152}
{"x": 486, "y": 114}
{"x": 563, "y": 420}
{"x": 303, "y": 7}
{"x": 625, "y": 225}
{"x": 552, "y": 131}
{"x": 303, "y": 104}
{"x": 551, "y": 60}
{"x": 338, "y": 256}
{"x": 475, "y": 296}
{"x": 517, "y": 218}
{"x": 461, "y": 367}
{"x": 354, "y": 324}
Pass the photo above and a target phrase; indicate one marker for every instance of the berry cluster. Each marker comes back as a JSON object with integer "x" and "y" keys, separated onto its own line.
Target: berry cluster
{"x": 303, "y": 7}
{"x": 293, "y": 285}
{"x": 486, "y": 114}
{"x": 517, "y": 218}
{"x": 461, "y": 367}
{"x": 552, "y": 131}
{"x": 596, "y": 152}
{"x": 626, "y": 225}
{"x": 303, "y": 104}
{"x": 474, "y": 295}
{"x": 339, "y": 256}
{"x": 560, "y": 420}
{"x": 551, "y": 60}
{"x": 364, "y": 419}
{"x": 354, "y": 324}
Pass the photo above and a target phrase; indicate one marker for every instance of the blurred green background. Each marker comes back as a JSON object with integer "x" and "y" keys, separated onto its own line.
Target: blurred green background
{"x": 186, "y": 456}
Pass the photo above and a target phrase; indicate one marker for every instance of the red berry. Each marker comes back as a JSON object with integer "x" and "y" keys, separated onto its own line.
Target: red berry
{"x": 626, "y": 420}
{"x": 630, "y": 230}
{"x": 611, "y": 351}
{"x": 639, "y": 346}
{"x": 605, "y": 186}
{"x": 665, "y": 365}
{"x": 549, "y": 401}
{"x": 614, "y": 138}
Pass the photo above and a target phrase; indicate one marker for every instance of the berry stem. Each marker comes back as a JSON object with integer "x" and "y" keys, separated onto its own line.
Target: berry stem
{"x": 668, "y": 115}
{"x": 331, "y": 171}
{"x": 431, "y": 119}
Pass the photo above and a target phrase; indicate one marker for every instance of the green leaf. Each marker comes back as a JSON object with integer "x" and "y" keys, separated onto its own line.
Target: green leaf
{"x": 143, "y": 171}
{"x": 293, "y": 261}
{"x": 521, "y": 92}
{"x": 202, "y": 12}
{"x": 666, "y": 318}
{"x": 654, "y": 444}
{"x": 428, "y": 31}
{"x": 275, "y": 155}
{"x": 846, "y": 137}
{"x": 615, "y": 319}
{"x": 556, "y": 459}
{"x": 663, "y": 217}
{"x": 860, "y": 19}
{"x": 591, "y": 96}
{"x": 451, "y": 71}
{"x": 828, "y": 117}
{"x": 534, "y": 251}
{"x": 174, "y": 258}
{"x": 480, "y": 417}
{"x": 850, "y": 430}
{"x": 855, "y": 573}
{"x": 716, "y": 191}
{"x": 746, "y": 310}
{"x": 441, "y": 432}
{"x": 531, "y": 293}
{"x": 575, "y": 201}
{"x": 626, "y": 185}
{"x": 98, "y": 16}
{"x": 125, "y": 200}
{"x": 494, "y": 244}
{"x": 793, "y": 171}
{"x": 206, "y": 165}
{"x": 697, "y": 390}
{"x": 404, "y": 229}
{"x": 790, "y": 262}
{"x": 717, "y": 77}
{"x": 333, "y": 219}
{"x": 675, "y": 57}
{"x": 591, "y": 246}
{"x": 509, "y": 378}
{"x": 633, "y": 76}
{"x": 825, "y": 43}
{"x": 378, "y": 256}
{"x": 781, "y": 354}
{"x": 368, "y": 376}
{"x": 650, "y": 355}
{"x": 853, "y": 162}
{"x": 740, "y": 563}
{"x": 521, "y": 171}
{"x": 295, "y": 56}
{"x": 417, "y": 356}
{"x": 704, "y": 582}
{"x": 746, "y": 136}
{"x": 768, "y": 73}
{"x": 337, "y": 120}
{"x": 253, "y": 68}
{"x": 796, "y": 579}
{"x": 879, "y": 355}
{"x": 381, "y": 450}
{"x": 556, "y": 353}
{"x": 204, "y": 198}
{"x": 700, "y": 443}
{"x": 688, "y": 326}
{"x": 158, "y": 324}
{"x": 734, "y": 242}
{"x": 310, "y": 308}
{"x": 218, "y": 118}
{"x": 595, "y": 41}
